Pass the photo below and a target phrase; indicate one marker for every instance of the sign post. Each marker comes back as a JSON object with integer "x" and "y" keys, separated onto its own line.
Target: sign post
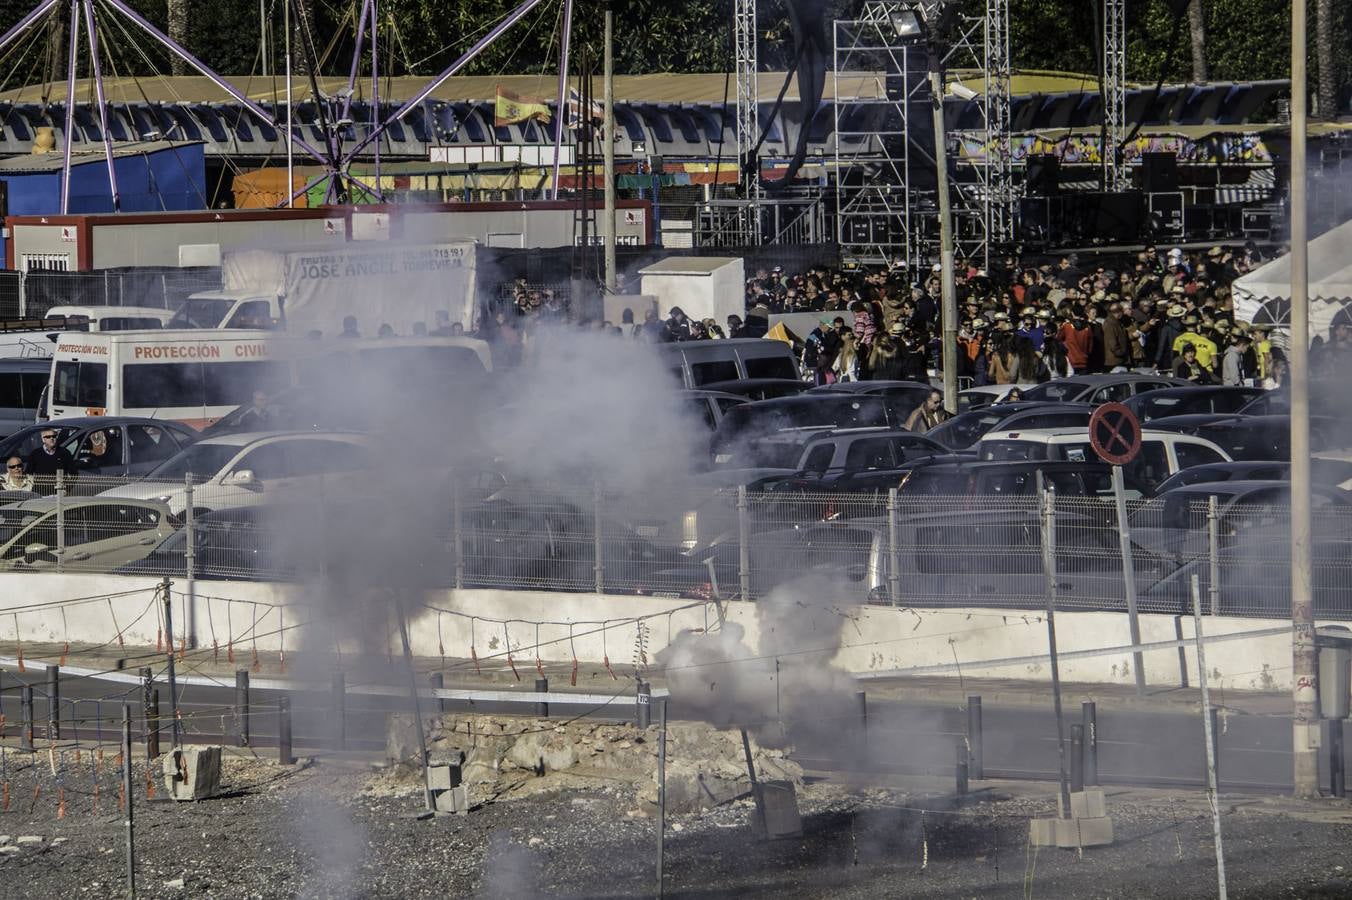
{"x": 1115, "y": 435}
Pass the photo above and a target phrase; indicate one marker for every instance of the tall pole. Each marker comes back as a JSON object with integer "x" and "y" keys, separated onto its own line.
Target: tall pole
{"x": 375, "y": 83}
{"x": 562, "y": 109}
{"x": 96, "y": 69}
{"x": 949, "y": 309}
{"x": 72, "y": 67}
{"x": 1304, "y": 677}
{"x": 608, "y": 152}
{"x": 264, "y": 51}
{"x": 290, "y": 150}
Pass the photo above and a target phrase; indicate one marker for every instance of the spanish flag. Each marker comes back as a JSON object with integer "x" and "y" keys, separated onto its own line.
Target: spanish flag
{"x": 510, "y": 108}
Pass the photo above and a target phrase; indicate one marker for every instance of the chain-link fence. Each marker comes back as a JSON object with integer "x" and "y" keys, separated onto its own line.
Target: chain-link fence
{"x": 887, "y": 548}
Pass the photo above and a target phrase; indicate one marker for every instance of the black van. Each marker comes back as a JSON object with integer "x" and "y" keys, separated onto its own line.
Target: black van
{"x": 22, "y": 381}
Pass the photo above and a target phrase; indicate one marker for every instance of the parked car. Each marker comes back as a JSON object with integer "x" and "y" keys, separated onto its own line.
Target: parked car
{"x": 1242, "y": 470}
{"x": 132, "y": 445}
{"x": 963, "y": 431}
{"x": 986, "y": 395}
{"x": 1175, "y": 521}
{"x": 819, "y": 453}
{"x": 1098, "y": 389}
{"x": 89, "y": 535}
{"x": 709, "y": 407}
{"x": 760, "y": 388}
{"x": 1257, "y": 437}
{"x": 1184, "y": 401}
{"x": 1012, "y": 479}
{"x": 22, "y": 382}
{"x": 698, "y": 363}
{"x": 1163, "y": 453}
{"x": 751, "y": 421}
{"x": 237, "y": 470}
{"x": 902, "y": 395}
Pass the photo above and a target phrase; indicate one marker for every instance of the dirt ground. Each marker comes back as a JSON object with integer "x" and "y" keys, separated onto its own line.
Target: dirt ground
{"x": 337, "y": 829}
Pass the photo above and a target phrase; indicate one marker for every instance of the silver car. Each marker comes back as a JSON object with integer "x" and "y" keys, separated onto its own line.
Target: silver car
{"x": 89, "y": 535}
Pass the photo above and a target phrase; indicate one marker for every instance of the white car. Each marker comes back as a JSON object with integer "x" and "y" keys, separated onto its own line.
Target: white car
{"x": 238, "y": 470}
{"x": 90, "y": 535}
{"x": 1163, "y": 453}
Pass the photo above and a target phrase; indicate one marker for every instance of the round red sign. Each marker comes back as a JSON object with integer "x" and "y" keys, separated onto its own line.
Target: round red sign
{"x": 1115, "y": 433}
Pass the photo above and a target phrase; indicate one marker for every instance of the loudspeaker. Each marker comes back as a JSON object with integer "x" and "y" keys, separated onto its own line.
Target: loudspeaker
{"x": 1042, "y": 176}
{"x": 1117, "y": 217}
{"x": 1159, "y": 172}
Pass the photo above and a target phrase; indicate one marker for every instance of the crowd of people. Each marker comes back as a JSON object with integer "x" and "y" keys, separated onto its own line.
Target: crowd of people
{"x": 1023, "y": 322}
{"x": 1020, "y": 322}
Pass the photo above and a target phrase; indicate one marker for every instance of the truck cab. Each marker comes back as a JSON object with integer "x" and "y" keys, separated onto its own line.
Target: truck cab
{"x": 229, "y": 309}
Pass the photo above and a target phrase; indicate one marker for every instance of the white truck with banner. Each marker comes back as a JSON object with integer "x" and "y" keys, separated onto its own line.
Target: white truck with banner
{"x": 315, "y": 288}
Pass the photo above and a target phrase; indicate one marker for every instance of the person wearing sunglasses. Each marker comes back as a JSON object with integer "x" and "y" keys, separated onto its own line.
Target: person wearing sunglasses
{"x": 16, "y": 478}
{"x": 50, "y": 458}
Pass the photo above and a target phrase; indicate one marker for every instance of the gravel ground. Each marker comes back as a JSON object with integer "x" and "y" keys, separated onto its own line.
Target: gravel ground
{"x": 329, "y": 829}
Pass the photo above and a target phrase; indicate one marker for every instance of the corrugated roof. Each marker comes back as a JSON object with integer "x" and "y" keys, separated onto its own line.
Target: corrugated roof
{"x": 54, "y": 161}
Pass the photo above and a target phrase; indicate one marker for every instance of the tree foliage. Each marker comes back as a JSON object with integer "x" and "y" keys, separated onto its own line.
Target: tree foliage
{"x": 1246, "y": 39}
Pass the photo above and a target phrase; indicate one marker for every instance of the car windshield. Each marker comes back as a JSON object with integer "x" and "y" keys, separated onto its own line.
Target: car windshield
{"x": 200, "y": 312}
{"x": 1054, "y": 391}
{"x": 1017, "y": 450}
{"x": 13, "y": 521}
{"x": 202, "y": 460}
{"x": 963, "y": 431}
{"x": 24, "y": 442}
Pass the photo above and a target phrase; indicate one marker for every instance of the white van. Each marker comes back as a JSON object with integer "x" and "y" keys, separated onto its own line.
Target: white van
{"x": 110, "y": 318}
{"x": 190, "y": 376}
{"x": 1163, "y": 453}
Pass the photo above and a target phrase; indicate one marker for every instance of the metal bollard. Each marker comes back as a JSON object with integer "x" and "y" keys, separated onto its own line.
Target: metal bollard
{"x": 1076, "y": 758}
{"x": 284, "y": 731}
{"x": 1216, "y": 745}
{"x": 645, "y": 708}
{"x": 54, "y": 702}
{"x": 241, "y": 707}
{"x": 1337, "y": 764}
{"x": 26, "y": 713}
{"x": 962, "y": 768}
{"x": 542, "y": 707}
{"x": 975, "y": 739}
{"x": 438, "y": 681}
{"x": 339, "y": 711}
{"x": 1089, "y": 717}
{"x": 147, "y": 711}
{"x": 153, "y": 744}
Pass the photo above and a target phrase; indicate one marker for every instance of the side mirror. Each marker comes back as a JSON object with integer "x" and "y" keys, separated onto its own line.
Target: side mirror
{"x": 245, "y": 478}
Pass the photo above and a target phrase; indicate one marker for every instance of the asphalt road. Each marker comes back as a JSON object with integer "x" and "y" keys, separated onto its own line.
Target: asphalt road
{"x": 1135, "y": 747}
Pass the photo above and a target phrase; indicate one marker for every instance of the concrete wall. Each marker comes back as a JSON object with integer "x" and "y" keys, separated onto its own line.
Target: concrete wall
{"x": 870, "y": 639}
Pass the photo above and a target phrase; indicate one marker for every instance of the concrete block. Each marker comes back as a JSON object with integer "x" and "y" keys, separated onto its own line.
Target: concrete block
{"x": 1086, "y": 804}
{"x": 1071, "y": 833}
{"x": 443, "y": 778}
{"x": 192, "y": 773}
{"x": 780, "y": 802}
{"x": 451, "y": 800}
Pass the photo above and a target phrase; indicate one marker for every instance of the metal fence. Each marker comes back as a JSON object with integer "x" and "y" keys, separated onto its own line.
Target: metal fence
{"x": 890, "y": 548}
{"x": 34, "y": 292}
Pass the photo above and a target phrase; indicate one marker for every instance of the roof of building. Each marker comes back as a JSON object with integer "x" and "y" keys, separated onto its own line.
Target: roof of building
{"x": 688, "y": 265}
{"x": 53, "y": 162}
{"x": 661, "y": 87}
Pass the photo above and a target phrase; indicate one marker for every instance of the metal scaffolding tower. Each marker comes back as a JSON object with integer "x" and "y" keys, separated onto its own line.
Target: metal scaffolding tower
{"x": 1115, "y": 174}
{"x": 983, "y": 192}
{"x": 999, "y": 120}
{"x": 748, "y": 121}
{"x": 881, "y": 107}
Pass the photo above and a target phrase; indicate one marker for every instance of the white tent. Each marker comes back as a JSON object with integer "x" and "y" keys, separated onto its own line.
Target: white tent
{"x": 1263, "y": 296}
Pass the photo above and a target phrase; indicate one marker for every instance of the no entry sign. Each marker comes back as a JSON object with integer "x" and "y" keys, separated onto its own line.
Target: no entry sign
{"x": 1115, "y": 433}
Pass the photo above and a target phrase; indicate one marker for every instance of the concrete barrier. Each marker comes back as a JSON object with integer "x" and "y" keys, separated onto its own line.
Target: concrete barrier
{"x": 630, "y": 630}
